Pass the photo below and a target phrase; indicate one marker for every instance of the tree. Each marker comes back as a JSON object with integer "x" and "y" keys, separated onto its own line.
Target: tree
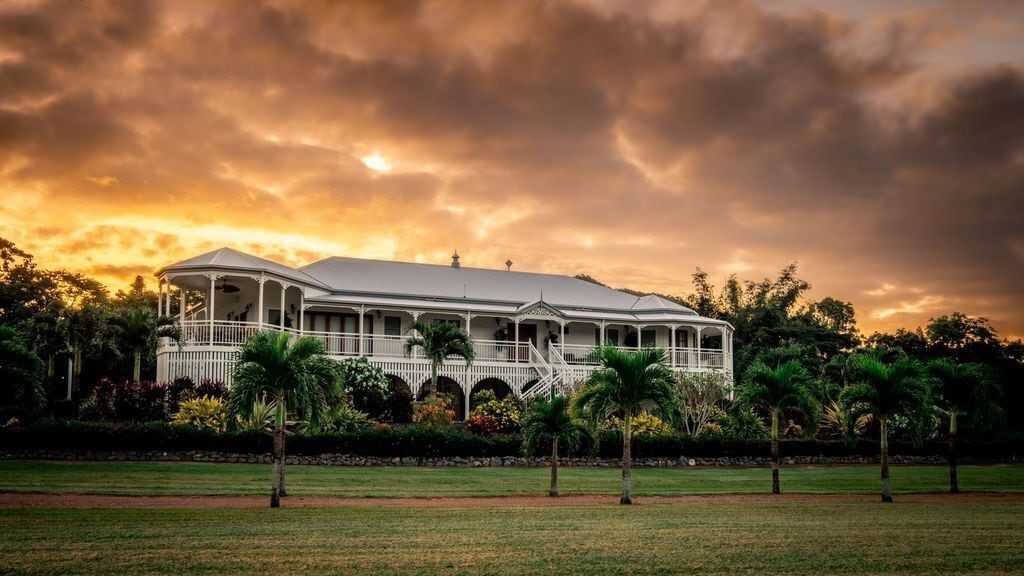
{"x": 138, "y": 330}
{"x": 297, "y": 375}
{"x": 438, "y": 341}
{"x": 550, "y": 421}
{"x": 627, "y": 382}
{"x": 884, "y": 391}
{"x": 700, "y": 394}
{"x": 957, "y": 389}
{"x": 21, "y": 373}
{"x": 776, "y": 390}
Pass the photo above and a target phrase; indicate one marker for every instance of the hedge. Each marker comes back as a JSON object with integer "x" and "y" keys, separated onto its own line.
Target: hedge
{"x": 65, "y": 435}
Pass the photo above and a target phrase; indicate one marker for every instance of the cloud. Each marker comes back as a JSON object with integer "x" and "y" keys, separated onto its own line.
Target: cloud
{"x": 631, "y": 143}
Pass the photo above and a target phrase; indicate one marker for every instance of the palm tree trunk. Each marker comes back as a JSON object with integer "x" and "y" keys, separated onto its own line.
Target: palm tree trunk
{"x": 554, "y": 467}
{"x": 432, "y": 393}
{"x": 775, "y": 452}
{"x": 137, "y": 368}
{"x": 284, "y": 436}
{"x": 886, "y": 493}
{"x": 954, "y": 486}
{"x": 278, "y": 483}
{"x": 627, "y": 488}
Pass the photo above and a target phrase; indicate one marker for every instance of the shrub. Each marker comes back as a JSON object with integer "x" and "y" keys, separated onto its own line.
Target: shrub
{"x": 743, "y": 424}
{"x": 433, "y": 412}
{"x": 125, "y": 401}
{"x": 642, "y": 425}
{"x": 343, "y": 418}
{"x": 502, "y": 415}
{"x": 183, "y": 388}
{"x": 203, "y": 412}
{"x": 261, "y": 419}
{"x": 483, "y": 424}
{"x": 366, "y": 385}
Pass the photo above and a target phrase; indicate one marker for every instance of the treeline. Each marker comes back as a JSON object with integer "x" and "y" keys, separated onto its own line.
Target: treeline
{"x": 55, "y": 321}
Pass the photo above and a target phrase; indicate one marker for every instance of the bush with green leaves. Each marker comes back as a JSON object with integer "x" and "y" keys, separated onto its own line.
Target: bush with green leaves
{"x": 497, "y": 416}
{"x": 644, "y": 424}
{"x": 261, "y": 419}
{"x": 203, "y": 412}
{"x": 21, "y": 376}
{"x": 366, "y": 385}
{"x": 742, "y": 423}
{"x": 341, "y": 418}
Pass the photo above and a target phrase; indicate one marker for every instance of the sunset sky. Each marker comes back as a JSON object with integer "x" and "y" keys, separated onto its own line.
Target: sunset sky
{"x": 880, "y": 145}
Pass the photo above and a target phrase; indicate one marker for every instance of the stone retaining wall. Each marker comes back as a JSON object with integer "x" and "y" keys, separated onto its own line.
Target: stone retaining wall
{"x": 472, "y": 462}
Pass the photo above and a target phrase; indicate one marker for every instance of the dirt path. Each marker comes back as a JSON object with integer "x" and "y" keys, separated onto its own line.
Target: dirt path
{"x": 26, "y": 500}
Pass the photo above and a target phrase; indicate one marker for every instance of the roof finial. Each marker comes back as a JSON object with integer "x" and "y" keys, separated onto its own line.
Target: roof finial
{"x": 455, "y": 259}
{"x": 508, "y": 265}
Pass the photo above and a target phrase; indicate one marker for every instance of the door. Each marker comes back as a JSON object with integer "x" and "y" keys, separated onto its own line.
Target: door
{"x": 527, "y": 333}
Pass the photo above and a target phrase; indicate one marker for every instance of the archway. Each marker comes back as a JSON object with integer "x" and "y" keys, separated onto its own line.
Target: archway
{"x": 446, "y": 385}
{"x": 500, "y": 388}
{"x": 529, "y": 385}
{"x": 400, "y": 400}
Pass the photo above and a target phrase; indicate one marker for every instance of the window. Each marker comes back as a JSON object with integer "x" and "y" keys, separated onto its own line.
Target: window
{"x": 392, "y": 326}
{"x": 273, "y": 317}
{"x": 648, "y": 338}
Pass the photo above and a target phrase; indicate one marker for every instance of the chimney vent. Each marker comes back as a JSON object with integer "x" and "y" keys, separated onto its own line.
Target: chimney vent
{"x": 455, "y": 259}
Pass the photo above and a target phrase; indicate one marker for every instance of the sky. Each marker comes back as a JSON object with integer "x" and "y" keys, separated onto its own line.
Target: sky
{"x": 879, "y": 145}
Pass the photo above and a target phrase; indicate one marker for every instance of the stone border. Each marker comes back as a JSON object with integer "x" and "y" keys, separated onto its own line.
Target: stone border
{"x": 476, "y": 462}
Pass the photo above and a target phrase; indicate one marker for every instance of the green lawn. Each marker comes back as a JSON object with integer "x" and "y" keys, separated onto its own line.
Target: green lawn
{"x": 156, "y": 478}
{"x": 948, "y": 537}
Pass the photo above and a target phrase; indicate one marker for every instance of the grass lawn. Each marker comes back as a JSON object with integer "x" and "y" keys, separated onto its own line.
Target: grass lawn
{"x": 180, "y": 478}
{"x": 954, "y": 537}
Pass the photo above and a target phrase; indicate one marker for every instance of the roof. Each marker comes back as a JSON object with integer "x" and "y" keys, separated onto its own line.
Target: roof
{"x": 231, "y": 259}
{"x": 406, "y": 284}
{"x": 478, "y": 284}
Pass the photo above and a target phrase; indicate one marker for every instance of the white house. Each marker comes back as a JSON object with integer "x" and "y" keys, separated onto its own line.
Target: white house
{"x": 530, "y": 331}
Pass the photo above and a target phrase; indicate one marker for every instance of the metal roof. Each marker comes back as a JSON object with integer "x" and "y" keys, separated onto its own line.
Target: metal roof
{"x": 231, "y": 259}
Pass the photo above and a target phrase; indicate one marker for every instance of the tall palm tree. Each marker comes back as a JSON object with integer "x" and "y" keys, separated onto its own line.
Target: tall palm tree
{"x": 297, "y": 375}
{"x": 886, "y": 390}
{"x": 550, "y": 421}
{"x": 776, "y": 390}
{"x": 439, "y": 341}
{"x": 956, "y": 388}
{"x": 627, "y": 382}
{"x": 139, "y": 329}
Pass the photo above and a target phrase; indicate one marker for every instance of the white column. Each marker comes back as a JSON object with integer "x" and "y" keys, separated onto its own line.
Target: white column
{"x": 699, "y": 330}
{"x": 672, "y": 345}
{"x": 561, "y": 338}
{"x": 639, "y": 333}
{"x": 259, "y": 316}
{"x": 362, "y": 310}
{"x": 167, "y": 307}
{"x": 159, "y": 297}
{"x": 602, "y": 334}
{"x": 182, "y": 293}
{"x": 518, "y": 358}
{"x": 213, "y": 286}
{"x": 284, "y": 288}
{"x": 302, "y": 311}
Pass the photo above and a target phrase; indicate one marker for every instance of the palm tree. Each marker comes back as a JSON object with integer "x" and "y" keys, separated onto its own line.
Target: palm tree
{"x": 784, "y": 388}
{"x": 549, "y": 420}
{"x": 886, "y": 390}
{"x": 139, "y": 328}
{"x": 439, "y": 341}
{"x": 956, "y": 387}
{"x": 627, "y": 382}
{"x": 296, "y": 375}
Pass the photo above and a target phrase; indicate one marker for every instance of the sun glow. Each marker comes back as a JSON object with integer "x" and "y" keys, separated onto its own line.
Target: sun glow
{"x": 377, "y": 162}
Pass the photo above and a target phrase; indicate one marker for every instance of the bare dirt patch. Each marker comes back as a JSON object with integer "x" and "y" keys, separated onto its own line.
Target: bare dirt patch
{"x": 30, "y": 500}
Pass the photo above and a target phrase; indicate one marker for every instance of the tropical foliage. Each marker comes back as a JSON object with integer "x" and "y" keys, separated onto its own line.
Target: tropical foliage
{"x": 438, "y": 341}
{"x": 777, "y": 390}
{"x": 549, "y": 421}
{"x": 295, "y": 374}
{"x": 203, "y": 412}
{"x": 887, "y": 391}
{"x": 628, "y": 384}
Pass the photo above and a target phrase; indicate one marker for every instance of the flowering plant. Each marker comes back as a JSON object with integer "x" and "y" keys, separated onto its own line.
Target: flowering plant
{"x": 504, "y": 413}
{"x": 433, "y": 412}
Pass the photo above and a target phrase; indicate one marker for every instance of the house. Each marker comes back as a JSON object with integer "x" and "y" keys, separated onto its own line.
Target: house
{"x": 530, "y": 331}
